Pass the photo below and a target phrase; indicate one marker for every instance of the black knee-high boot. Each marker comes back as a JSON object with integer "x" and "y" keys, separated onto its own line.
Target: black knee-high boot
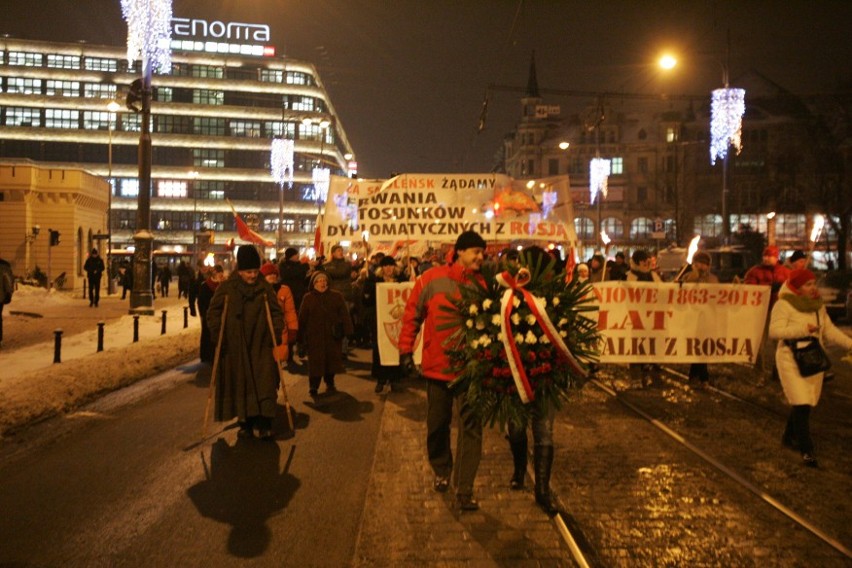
{"x": 518, "y": 445}
{"x": 543, "y": 463}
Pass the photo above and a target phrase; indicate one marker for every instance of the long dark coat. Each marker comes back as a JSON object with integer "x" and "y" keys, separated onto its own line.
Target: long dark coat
{"x": 247, "y": 381}
{"x": 317, "y": 316}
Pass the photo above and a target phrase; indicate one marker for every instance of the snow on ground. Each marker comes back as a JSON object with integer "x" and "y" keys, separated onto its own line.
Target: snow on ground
{"x": 33, "y": 388}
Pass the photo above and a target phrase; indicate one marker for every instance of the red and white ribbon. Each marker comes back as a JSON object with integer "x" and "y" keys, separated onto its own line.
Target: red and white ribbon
{"x": 538, "y": 308}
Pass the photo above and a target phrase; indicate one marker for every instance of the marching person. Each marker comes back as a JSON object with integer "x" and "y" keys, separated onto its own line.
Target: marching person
{"x": 640, "y": 271}
{"x": 768, "y": 273}
{"x": 432, "y": 292}
{"x": 206, "y": 290}
{"x": 94, "y": 267}
{"x": 247, "y": 383}
{"x": 700, "y": 274}
{"x": 323, "y": 323}
{"x": 288, "y": 307}
{"x": 800, "y": 313}
{"x": 387, "y": 273}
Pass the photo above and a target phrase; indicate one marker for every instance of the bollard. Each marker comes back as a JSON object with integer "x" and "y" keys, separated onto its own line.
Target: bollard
{"x": 136, "y": 328}
{"x": 163, "y": 327}
{"x": 185, "y": 317}
{"x": 100, "y": 336}
{"x": 57, "y": 346}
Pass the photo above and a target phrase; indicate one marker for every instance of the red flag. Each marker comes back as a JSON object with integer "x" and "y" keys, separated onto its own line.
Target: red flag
{"x": 318, "y": 239}
{"x": 570, "y": 264}
{"x": 248, "y": 235}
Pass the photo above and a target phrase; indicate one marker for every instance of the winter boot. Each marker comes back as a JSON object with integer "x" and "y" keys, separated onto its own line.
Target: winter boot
{"x": 543, "y": 463}
{"x": 518, "y": 445}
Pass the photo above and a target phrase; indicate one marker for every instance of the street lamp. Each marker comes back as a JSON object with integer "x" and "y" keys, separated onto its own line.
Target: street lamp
{"x": 113, "y": 107}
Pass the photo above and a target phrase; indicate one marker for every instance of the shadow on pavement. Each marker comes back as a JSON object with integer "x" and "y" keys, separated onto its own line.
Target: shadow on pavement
{"x": 341, "y": 406}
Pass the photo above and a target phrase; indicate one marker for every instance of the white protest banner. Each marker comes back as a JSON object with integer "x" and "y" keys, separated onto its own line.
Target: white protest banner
{"x": 644, "y": 322}
{"x": 438, "y": 207}
{"x": 390, "y": 307}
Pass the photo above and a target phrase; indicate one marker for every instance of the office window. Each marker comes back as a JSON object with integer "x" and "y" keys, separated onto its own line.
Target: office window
{"x": 207, "y": 158}
{"x": 277, "y": 128}
{"x": 708, "y": 225}
{"x": 99, "y": 91}
{"x": 585, "y": 228}
{"x": 296, "y": 102}
{"x": 131, "y": 122}
{"x": 553, "y": 167}
{"x": 272, "y": 75}
{"x": 642, "y": 164}
{"x": 55, "y": 61}
{"x": 129, "y": 188}
{"x": 61, "y": 118}
{"x": 22, "y": 116}
{"x": 671, "y": 134}
{"x": 63, "y": 88}
{"x": 298, "y": 78}
{"x": 210, "y": 190}
{"x": 641, "y": 228}
{"x": 164, "y": 94}
{"x": 617, "y": 166}
{"x": 211, "y": 126}
{"x": 247, "y": 128}
{"x": 96, "y": 120}
{"x": 23, "y": 86}
{"x": 171, "y": 188}
{"x": 100, "y": 64}
{"x": 790, "y": 226}
{"x": 208, "y": 71}
{"x": 306, "y": 225}
{"x": 613, "y": 227}
{"x": 208, "y": 97}
{"x": 25, "y": 59}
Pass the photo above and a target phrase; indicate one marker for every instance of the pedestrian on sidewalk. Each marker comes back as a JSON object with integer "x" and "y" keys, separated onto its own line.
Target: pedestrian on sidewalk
{"x": 94, "y": 267}
{"x": 700, "y": 274}
{"x": 323, "y": 323}
{"x": 247, "y": 381}
{"x": 7, "y": 289}
{"x": 206, "y": 290}
{"x": 165, "y": 277}
{"x": 798, "y": 314}
{"x": 432, "y": 293}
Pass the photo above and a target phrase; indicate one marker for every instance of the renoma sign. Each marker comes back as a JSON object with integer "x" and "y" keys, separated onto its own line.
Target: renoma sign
{"x": 219, "y": 31}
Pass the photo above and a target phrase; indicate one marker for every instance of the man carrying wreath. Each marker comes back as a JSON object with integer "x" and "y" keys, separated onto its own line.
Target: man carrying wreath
{"x": 433, "y": 294}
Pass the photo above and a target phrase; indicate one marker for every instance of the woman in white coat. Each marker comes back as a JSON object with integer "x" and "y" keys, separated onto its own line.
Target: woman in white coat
{"x": 799, "y": 313}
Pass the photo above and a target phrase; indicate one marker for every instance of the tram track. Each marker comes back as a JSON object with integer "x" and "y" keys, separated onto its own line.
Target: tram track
{"x": 741, "y": 480}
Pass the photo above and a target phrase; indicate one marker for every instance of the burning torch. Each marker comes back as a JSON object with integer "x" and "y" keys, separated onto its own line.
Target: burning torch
{"x": 693, "y": 248}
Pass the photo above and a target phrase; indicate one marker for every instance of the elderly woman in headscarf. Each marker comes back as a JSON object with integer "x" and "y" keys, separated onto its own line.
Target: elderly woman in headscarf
{"x": 323, "y": 323}
{"x": 797, "y": 315}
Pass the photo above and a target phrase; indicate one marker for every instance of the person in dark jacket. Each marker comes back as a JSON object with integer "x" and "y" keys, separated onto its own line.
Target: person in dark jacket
{"x": 294, "y": 274}
{"x": 205, "y": 293}
{"x": 700, "y": 274}
{"x": 247, "y": 381}
{"x": 387, "y": 273}
{"x": 323, "y": 323}
{"x": 94, "y": 268}
{"x": 165, "y": 277}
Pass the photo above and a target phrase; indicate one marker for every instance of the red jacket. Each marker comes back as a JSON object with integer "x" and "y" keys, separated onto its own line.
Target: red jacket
{"x": 431, "y": 291}
{"x": 768, "y": 275}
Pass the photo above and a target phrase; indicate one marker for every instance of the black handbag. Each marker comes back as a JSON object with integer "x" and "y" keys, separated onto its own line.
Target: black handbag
{"x": 809, "y": 355}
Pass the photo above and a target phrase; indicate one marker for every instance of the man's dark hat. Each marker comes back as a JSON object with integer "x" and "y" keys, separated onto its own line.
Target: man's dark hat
{"x": 469, "y": 239}
{"x": 248, "y": 258}
{"x": 290, "y": 252}
{"x": 387, "y": 261}
{"x": 797, "y": 255}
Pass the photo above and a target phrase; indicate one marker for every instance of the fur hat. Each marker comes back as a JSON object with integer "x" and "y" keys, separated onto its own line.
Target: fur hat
{"x": 248, "y": 258}
{"x": 702, "y": 257}
{"x": 800, "y": 277}
{"x": 268, "y": 268}
{"x": 771, "y": 251}
{"x": 469, "y": 239}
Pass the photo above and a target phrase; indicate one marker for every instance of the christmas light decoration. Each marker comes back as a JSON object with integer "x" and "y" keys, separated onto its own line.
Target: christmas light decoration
{"x": 281, "y": 161}
{"x": 727, "y": 107}
{"x": 321, "y": 179}
{"x": 149, "y": 32}
{"x": 599, "y": 170}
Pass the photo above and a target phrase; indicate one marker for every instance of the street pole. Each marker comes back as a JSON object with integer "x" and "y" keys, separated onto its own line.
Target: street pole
{"x": 110, "y": 281}
{"x": 141, "y": 298}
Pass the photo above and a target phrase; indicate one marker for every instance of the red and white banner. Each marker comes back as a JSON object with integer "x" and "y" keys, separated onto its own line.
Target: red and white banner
{"x": 643, "y": 322}
{"x": 390, "y": 307}
{"x": 438, "y": 207}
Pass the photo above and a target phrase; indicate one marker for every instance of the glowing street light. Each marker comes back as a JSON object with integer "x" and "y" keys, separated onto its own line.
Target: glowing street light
{"x": 667, "y": 61}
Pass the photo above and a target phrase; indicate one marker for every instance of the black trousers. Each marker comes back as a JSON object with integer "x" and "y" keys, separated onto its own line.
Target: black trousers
{"x": 439, "y": 417}
{"x": 799, "y": 428}
{"x": 94, "y": 290}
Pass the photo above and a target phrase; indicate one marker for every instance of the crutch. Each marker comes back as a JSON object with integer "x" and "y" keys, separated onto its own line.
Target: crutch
{"x": 215, "y": 369}
{"x": 278, "y": 364}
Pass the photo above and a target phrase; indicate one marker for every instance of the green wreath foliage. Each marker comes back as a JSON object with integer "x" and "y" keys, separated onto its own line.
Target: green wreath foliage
{"x": 476, "y": 351}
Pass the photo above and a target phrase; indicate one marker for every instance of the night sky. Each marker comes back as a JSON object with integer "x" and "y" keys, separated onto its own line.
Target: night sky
{"x": 407, "y": 77}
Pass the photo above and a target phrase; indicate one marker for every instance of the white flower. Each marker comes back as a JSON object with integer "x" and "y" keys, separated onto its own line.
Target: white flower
{"x": 519, "y": 338}
{"x": 530, "y": 319}
{"x": 531, "y": 338}
{"x": 474, "y": 344}
{"x": 500, "y": 336}
{"x": 473, "y": 310}
{"x": 543, "y": 339}
{"x": 495, "y": 319}
{"x": 563, "y": 333}
{"x": 480, "y": 325}
{"x": 516, "y": 302}
{"x": 484, "y": 340}
{"x": 555, "y": 300}
{"x": 516, "y": 319}
{"x": 469, "y": 323}
{"x": 486, "y": 303}
{"x": 562, "y": 322}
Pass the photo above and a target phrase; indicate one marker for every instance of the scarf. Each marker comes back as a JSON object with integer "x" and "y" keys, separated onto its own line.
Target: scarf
{"x": 803, "y": 303}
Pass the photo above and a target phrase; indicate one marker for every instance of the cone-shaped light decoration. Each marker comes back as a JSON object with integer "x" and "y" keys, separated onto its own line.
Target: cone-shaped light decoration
{"x": 149, "y": 32}
{"x": 321, "y": 178}
{"x": 599, "y": 170}
{"x": 727, "y": 107}
{"x": 281, "y": 161}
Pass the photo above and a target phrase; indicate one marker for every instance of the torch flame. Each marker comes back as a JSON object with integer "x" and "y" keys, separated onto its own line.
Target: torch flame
{"x": 605, "y": 238}
{"x": 819, "y": 223}
{"x": 210, "y": 259}
{"x": 693, "y": 248}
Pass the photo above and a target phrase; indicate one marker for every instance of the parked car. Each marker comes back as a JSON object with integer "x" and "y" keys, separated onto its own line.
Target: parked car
{"x": 835, "y": 289}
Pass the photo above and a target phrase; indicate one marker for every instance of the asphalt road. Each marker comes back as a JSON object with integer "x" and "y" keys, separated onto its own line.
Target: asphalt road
{"x": 129, "y": 484}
